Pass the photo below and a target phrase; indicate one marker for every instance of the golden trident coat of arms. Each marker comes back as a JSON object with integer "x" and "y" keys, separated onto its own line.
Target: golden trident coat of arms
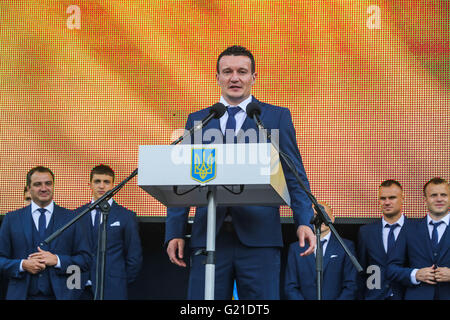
{"x": 203, "y": 168}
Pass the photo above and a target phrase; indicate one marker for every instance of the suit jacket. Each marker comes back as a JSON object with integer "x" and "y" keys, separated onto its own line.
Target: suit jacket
{"x": 256, "y": 226}
{"x": 339, "y": 273}
{"x": 371, "y": 253}
{"x": 123, "y": 251}
{"x": 16, "y": 244}
{"x": 415, "y": 251}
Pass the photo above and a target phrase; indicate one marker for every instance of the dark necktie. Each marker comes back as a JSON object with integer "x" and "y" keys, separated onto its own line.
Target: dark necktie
{"x": 231, "y": 122}
{"x": 42, "y": 223}
{"x": 434, "y": 234}
{"x": 391, "y": 237}
{"x": 96, "y": 217}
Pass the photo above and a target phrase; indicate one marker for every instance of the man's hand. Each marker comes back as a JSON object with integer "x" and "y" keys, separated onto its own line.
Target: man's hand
{"x": 33, "y": 266}
{"x": 46, "y": 257}
{"x": 175, "y": 246}
{"x": 426, "y": 275}
{"x": 305, "y": 234}
{"x": 442, "y": 274}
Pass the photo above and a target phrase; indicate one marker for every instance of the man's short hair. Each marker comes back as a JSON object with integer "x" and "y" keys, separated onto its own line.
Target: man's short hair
{"x": 38, "y": 169}
{"x": 390, "y": 183}
{"x": 435, "y": 181}
{"x": 237, "y": 51}
{"x": 102, "y": 169}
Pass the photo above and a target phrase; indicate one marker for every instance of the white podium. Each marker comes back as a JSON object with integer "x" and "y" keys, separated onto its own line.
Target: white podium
{"x": 210, "y": 175}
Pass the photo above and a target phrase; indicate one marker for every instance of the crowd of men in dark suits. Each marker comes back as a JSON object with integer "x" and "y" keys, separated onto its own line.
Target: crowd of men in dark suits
{"x": 401, "y": 258}
{"x": 37, "y": 271}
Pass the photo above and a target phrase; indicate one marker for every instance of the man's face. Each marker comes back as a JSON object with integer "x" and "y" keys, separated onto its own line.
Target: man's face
{"x": 100, "y": 183}
{"x": 235, "y": 78}
{"x": 437, "y": 199}
{"x": 41, "y": 188}
{"x": 390, "y": 200}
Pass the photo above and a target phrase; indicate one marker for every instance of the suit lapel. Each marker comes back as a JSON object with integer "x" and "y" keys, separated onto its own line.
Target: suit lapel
{"x": 311, "y": 262}
{"x": 444, "y": 244}
{"x": 249, "y": 123}
{"x": 27, "y": 224}
{"x": 424, "y": 234}
{"x": 331, "y": 248}
{"x": 378, "y": 238}
{"x": 53, "y": 224}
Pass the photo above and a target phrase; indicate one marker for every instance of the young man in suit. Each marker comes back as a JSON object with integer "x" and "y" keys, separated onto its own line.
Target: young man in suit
{"x": 38, "y": 272}
{"x": 123, "y": 251}
{"x": 376, "y": 242}
{"x": 422, "y": 261}
{"x": 248, "y": 238}
{"x": 339, "y": 273}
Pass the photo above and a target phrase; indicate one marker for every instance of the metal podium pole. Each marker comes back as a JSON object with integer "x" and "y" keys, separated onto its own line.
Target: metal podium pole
{"x": 210, "y": 267}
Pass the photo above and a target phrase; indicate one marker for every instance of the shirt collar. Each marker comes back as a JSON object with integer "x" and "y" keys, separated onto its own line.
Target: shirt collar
{"x": 243, "y": 105}
{"x": 327, "y": 237}
{"x": 400, "y": 221}
{"x": 110, "y": 201}
{"x": 445, "y": 219}
{"x": 49, "y": 208}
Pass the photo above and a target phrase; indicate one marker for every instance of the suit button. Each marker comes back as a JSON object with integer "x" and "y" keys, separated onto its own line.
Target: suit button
{"x": 435, "y": 254}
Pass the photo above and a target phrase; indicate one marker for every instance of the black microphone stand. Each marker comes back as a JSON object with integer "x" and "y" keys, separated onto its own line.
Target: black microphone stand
{"x": 103, "y": 204}
{"x": 318, "y": 220}
{"x": 101, "y": 252}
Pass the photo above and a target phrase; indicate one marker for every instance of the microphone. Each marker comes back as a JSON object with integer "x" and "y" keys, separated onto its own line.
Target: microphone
{"x": 217, "y": 110}
{"x": 254, "y": 111}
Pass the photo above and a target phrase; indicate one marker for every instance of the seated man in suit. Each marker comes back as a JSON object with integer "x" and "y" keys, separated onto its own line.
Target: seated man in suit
{"x": 123, "y": 251}
{"x": 339, "y": 273}
{"x": 38, "y": 272}
{"x": 376, "y": 242}
{"x": 248, "y": 238}
{"x": 421, "y": 262}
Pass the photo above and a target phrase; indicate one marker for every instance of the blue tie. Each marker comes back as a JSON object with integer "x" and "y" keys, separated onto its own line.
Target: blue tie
{"x": 42, "y": 223}
{"x": 231, "y": 122}
{"x": 391, "y": 237}
{"x": 434, "y": 234}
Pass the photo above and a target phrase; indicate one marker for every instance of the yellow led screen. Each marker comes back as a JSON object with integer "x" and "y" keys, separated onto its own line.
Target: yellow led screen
{"x": 86, "y": 82}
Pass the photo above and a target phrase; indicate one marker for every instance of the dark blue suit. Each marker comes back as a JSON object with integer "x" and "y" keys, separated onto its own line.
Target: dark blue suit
{"x": 123, "y": 252}
{"x": 371, "y": 253}
{"x": 254, "y": 226}
{"x": 415, "y": 252}
{"x": 17, "y": 242}
{"x": 339, "y": 274}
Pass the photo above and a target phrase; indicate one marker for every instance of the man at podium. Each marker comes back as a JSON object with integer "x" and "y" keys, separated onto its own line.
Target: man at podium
{"x": 249, "y": 238}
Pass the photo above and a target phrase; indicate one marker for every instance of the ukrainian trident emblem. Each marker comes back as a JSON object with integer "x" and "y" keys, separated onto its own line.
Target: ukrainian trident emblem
{"x": 203, "y": 168}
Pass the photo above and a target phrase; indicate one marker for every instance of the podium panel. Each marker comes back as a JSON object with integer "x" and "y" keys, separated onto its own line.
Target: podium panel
{"x": 168, "y": 173}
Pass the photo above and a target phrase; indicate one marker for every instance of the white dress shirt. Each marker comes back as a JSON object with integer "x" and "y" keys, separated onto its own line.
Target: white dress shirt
{"x": 240, "y": 116}
{"x": 35, "y": 214}
{"x": 400, "y": 222}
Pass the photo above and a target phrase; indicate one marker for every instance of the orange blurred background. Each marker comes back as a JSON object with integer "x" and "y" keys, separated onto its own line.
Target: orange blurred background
{"x": 87, "y": 82}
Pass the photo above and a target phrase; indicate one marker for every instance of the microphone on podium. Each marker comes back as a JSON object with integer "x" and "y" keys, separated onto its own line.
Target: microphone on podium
{"x": 217, "y": 110}
{"x": 254, "y": 111}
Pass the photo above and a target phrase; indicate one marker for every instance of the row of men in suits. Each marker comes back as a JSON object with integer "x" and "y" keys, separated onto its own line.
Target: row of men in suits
{"x": 38, "y": 271}
{"x": 401, "y": 259}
